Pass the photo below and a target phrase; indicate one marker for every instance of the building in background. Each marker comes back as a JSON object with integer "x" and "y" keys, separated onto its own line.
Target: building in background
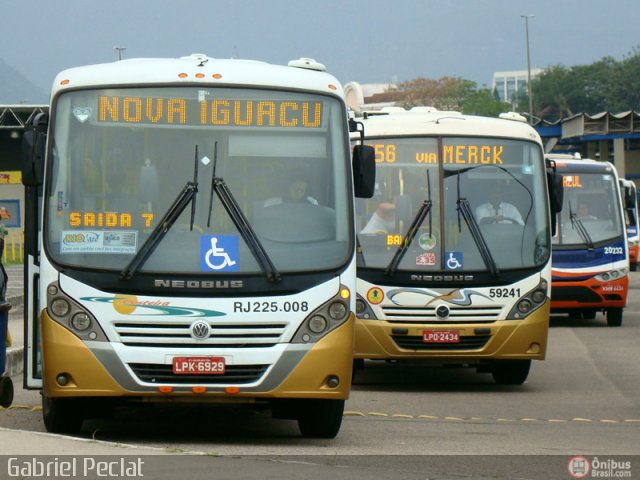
{"x": 508, "y": 86}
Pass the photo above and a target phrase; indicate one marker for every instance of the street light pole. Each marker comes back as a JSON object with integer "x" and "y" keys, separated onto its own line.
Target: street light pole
{"x": 119, "y": 50}
{"x": 529, "y": 92}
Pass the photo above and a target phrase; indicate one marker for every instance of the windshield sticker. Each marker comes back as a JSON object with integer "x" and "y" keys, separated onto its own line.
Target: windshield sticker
{"x": 375, "y": 295}
{"x": 128, "y": 304}
{"x": 454, "y": 260}
{"x": 427, "y": 258}
{"x": 98, "y": 241}
{"x": 82, "y": 114}
{"x": 219, "y": 253}
{"x": 427, "y": 241}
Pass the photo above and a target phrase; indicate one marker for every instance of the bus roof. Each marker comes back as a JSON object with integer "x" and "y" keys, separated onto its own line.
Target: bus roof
{"x": 199, "y": 69}
{"x": 572, "y": 164}
{"x": 429, "y": 121}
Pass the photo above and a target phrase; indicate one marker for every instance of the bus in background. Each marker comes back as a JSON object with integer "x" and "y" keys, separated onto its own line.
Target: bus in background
{"x": 590, "y": 256}
{"x": 630, "y": 202}
{"x": 190, "y": 239}
{"x": 454, "y": 248}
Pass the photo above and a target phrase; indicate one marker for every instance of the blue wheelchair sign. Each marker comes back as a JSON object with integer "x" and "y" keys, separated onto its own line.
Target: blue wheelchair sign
{"x": 219, "y": 253}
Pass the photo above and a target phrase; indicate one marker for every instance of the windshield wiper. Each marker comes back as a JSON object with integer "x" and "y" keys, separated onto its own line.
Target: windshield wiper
{"x": 582, "y": 231}
{"x": 187, "y": 195}
{"x": 230, "y": 204}
{"x": 464, "y": 209}
{"x": 424, "y": 210}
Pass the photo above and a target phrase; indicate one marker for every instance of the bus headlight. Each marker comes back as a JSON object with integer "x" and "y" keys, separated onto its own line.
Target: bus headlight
{"x": 538, "y": 296}
{"x": 524, "y": 306}
{"x": 317, "y": 324}
{"x": 529, "y": 302}
{"x": 363, "y": 309}
{"x": 612, "y": 275}
{"x": 337, "y": 310}
{"x": 72, "y": 316}
{"x": 60, "y": 307}
{"x": 81, "y": 321}
{"x": 323, "y": 319}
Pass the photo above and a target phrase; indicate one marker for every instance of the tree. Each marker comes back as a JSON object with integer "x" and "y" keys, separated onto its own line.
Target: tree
{"x": 483, "y": 102}
{"x": 449, "y": 93}
{"x": 605, "y": 85}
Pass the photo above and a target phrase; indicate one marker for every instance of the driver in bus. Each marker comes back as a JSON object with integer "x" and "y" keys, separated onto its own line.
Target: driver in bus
{"x": 496, "y": 210}
{"x": 296, "y": 193}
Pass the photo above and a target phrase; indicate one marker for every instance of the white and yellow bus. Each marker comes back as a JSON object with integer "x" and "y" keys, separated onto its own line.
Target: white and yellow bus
{"x": 190, "y": 237}
{"x": 454, "y": 248}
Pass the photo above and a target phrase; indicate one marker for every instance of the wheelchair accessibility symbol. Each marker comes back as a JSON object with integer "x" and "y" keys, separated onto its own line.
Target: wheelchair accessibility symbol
{"x": 453, "y": 260}
{"x": 219, "y": 253}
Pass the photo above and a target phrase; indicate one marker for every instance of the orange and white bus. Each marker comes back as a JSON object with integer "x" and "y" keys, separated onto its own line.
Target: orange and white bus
{"x": 590, "y": 254}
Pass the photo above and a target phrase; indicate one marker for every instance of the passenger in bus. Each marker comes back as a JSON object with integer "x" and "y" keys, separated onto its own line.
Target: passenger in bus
{"x": 583, "y": 213}
{"x": 496, "y": 210}
{"x": 296, "y": 193}
{"x": 382, "y": 220}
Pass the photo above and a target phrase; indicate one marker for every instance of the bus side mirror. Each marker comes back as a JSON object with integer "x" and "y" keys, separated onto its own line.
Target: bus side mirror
{"x": 34, "y": 143}
{"x": 364, "y": 171}
{"x": 556, "y": 196}
{"x": 629, "y": 199}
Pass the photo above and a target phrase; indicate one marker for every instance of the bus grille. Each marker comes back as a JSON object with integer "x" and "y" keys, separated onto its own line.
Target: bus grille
{"x": 470, "y": 314}
{"x": 576, "y": 294}
{"x": 155, "y": 373}
{"x": 177, "y": 333}
{"x": 466, "y": 343}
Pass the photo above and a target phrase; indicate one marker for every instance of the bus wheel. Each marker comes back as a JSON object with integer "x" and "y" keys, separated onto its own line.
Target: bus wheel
{"x": 614, "y": 317}
{"x": 320, "y": 418}
{"x": 633, "y": 267}
{"x": 589, "y": 314}
{"x": 510, "y": 372}
{"x": 62, "y": 415}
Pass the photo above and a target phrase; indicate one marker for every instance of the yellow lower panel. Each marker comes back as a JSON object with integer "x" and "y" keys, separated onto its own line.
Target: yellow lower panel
{"x": 63, "y": 352}
{"x": 509, "y": 339}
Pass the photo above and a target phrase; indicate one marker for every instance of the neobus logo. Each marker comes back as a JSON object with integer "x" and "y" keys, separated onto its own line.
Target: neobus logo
{"x": 441, "y": 278}
{"x": 218, "y": 284}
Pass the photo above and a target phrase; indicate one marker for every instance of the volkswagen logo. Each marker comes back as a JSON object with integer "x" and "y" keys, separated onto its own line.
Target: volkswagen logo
{"x": 442, "y": 311}
{"x": 200, "y": 330}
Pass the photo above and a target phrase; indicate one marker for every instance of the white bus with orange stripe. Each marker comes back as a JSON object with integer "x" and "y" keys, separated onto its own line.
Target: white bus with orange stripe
{"x": 590, "y": 251}
{"x": 171, "y": 265}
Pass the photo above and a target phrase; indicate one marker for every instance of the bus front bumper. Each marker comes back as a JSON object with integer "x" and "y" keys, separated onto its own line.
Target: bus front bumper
{"x": 503, "y": 339}
{"x": 588, "y": 294}
{"x": 303, "y": 372}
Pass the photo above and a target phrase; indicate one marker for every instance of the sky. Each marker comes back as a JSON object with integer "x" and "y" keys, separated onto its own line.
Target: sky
{"x": 369, "y": 41}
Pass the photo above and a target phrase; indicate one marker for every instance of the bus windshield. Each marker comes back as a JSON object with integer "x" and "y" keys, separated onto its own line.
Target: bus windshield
{"x": 122, "y": 157}
{"x": 484, "y": 194}
{"x": 591, "y": 210}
